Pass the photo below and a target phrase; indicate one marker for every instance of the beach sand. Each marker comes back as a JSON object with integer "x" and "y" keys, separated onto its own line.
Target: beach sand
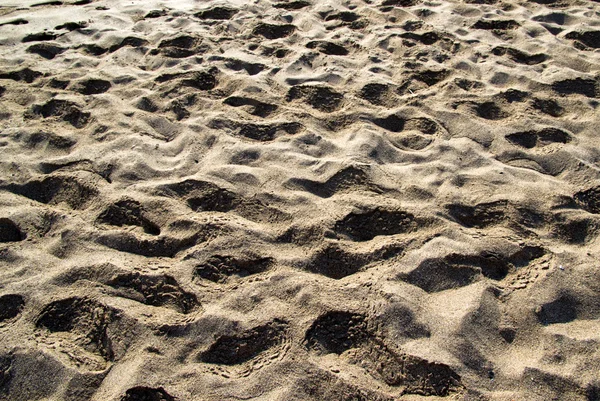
{"x": 266, "y": 200}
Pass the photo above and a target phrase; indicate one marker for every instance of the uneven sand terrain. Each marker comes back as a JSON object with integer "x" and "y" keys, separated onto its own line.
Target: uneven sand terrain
{"x": 367, "y": 200}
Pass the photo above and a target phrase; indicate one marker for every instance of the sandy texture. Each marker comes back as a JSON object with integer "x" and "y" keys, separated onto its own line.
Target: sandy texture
{"x": 299, "y": 200}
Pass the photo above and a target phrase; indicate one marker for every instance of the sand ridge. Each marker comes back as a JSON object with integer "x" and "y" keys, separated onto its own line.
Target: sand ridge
{"x": 299, "y": 200}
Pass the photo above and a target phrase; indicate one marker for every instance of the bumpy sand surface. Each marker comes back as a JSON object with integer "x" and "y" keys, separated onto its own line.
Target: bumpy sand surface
{"x": 299, "y": 200}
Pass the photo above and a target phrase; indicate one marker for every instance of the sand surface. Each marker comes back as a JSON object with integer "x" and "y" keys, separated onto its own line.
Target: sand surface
{"x": 299, "y": 200}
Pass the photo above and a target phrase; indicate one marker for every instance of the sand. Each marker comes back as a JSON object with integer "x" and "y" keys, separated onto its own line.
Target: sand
{"x": 299, "y": 200}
